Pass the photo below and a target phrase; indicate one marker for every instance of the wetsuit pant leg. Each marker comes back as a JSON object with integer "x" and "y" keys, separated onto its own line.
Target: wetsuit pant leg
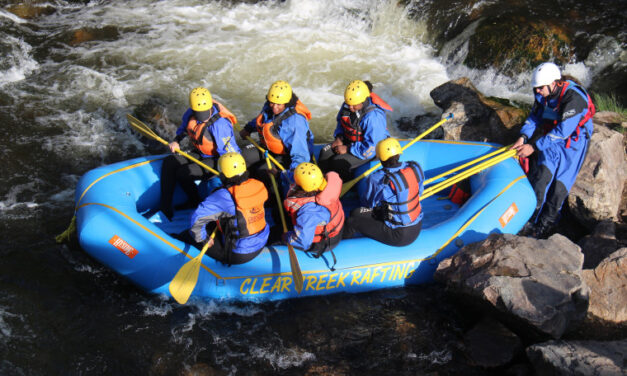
{"x": 345, "y": 164}
{"x": 218, "y": 250}
{"x": 363, "y": 221}
{"x": 178, "y": 169}
{"x": 186, "y": 176}
{"x": 324, "y": 158}
{"x": 566, "y": 171}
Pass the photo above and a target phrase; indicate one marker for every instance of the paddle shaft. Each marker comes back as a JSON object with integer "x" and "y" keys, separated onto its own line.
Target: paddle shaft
{"x": 143, "y": 128}
{"x": 351, "y": 183}
{"x": 255, "y": 144}
{"x": 296, "y": 272}
{"x": 465, "y": 174}
{"x": 498, "y": 151}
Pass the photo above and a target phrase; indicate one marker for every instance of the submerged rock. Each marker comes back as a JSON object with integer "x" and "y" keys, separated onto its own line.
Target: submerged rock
{"x": 579, "y": 358}
{"x": 490, "y": 344}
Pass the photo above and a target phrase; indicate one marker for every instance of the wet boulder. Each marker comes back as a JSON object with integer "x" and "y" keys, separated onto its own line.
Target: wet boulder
{"x": 31, "y": 10}
{"x": 608, "y": 291}
{"x": 87, "y": 34}
{"x": 517, "y": 44}
{"x": 490, "y": 344}
{"x": 579, "y": 357}
{"x": 534, "y": 286}
{"x": 476, "y": 117}
{"x": 597, "y": 192}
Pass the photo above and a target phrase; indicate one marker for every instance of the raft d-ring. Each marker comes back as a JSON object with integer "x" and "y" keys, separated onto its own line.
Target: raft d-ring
{"x": 459, "y": 242}
{"x": 220, "y": 282}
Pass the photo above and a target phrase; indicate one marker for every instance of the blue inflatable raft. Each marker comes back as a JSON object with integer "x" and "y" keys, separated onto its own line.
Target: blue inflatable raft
{"x": 118, "y": 225}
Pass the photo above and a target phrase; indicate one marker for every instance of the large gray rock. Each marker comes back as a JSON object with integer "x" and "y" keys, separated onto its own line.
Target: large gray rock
{"x": 535, "y": 284}
{"x": 608, "y": 290}
{"x": 476, "y": 118}
{"x": 579, "y": 358}
{"x": 597, "y": 193}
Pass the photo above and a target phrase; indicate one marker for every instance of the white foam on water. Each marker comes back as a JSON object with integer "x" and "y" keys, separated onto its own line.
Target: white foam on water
{"x": 167, "y": 48}
{"x": 162, "y": 307}
{"x": 437, "y": 357}
{"x": 5, "y": 328}
{"x": 282, "y": 358}
{"x": 12, "y": 17}
{"x": 17, "y": 63}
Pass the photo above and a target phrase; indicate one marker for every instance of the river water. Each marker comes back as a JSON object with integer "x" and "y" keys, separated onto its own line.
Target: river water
{"x": 67, "y": 80}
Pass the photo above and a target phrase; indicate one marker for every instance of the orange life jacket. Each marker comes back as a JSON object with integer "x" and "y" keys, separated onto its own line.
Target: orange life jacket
{"x": 269, "y": 132}
{"x": 249, "y": 212}
{"x": 350, "y": 121}
{"x": 329, "y": 197}
{"x": 549, "y": 125}
{"x": 202, "y": 139}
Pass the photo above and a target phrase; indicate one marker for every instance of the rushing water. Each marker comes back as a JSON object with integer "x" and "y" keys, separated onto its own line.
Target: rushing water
{"x": 67, "y": 80}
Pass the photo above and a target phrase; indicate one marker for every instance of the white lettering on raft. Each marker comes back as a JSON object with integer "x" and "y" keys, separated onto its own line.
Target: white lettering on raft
{"x": 328, "y": 281}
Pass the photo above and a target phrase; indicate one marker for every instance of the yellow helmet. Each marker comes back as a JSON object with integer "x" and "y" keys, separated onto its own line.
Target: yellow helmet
{"x": 200, "y": 99}
{"x": 309, "y": 177}
{"x": 232, "y": 164}
{"x": 388, "y": 148}
{"x": 280, "y": 93}
{"x": 356, "y": 92}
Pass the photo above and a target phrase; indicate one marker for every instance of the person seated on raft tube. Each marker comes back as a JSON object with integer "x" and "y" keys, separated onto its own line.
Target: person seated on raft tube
{"x": 313, "y": 204}
{"x": 361, "y": 124}
{"x": 283, "y": 127}
{"x": 392, "y": 213}
{"x": 237, "y": 207}
{"x": 209, "y": 126}
{"x": 561, "y": 119}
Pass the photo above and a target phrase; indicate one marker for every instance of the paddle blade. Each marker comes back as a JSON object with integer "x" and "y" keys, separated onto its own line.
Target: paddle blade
{"x": 296, "y": 272}
{"x": 185, "y": 280}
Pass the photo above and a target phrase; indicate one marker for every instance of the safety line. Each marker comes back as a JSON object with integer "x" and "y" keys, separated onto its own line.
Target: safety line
{"x": 111, "y": 173}
{"x": 148, "y": 230}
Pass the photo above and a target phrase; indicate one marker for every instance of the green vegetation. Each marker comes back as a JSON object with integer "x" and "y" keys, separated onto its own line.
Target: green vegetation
{"x": 608, "y": 102}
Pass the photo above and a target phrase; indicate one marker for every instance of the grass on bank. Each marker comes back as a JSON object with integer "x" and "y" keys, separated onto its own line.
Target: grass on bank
{"x": 608, "y": 102}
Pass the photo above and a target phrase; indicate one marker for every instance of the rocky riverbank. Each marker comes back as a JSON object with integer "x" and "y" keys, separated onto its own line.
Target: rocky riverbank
{"x": 554, "y": 306}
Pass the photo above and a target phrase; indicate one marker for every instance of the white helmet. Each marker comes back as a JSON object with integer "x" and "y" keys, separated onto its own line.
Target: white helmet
{"x": 544, "y": 74}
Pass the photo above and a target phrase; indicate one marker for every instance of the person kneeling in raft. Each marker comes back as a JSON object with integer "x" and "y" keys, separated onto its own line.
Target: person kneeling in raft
{"x": 314, "y": 205}
{"x": 361, "y": 124}
{"x": 392, "y": 212}
{"x": 209, "y": 126}
{"x": 237, "y": 208}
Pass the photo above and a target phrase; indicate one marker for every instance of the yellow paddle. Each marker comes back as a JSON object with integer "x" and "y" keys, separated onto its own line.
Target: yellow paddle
{"x": 255, "y": 144}
{"x": 463, "y": 175}
{"x": 186, "y": 278}
{"x": 146, "y": 131}
{"x": 351, "y": 183}
{"x": 297, "y": 275}
{"x": 498, "y": 151}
